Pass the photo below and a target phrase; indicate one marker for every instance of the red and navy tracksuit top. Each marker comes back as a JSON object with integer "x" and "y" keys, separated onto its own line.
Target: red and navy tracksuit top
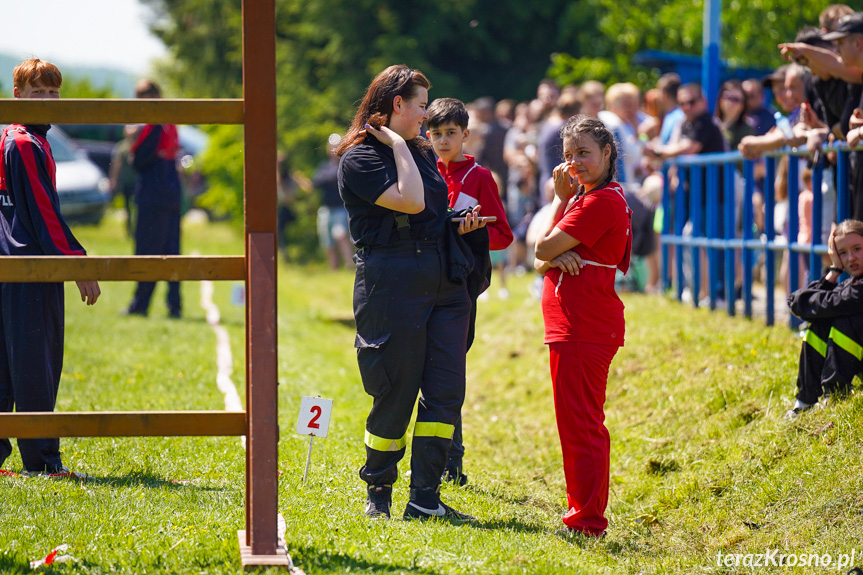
{"x": 154, "y": 157}
{"x": 30, "y": 219}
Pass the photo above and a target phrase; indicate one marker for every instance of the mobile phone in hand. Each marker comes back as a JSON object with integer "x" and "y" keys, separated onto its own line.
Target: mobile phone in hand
{"x": 482, "y": 219}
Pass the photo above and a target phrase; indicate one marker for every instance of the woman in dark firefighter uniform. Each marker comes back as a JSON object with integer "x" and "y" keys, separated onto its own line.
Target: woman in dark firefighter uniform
{"x": 412, "y": 320}
{"x": 833, "y": 344}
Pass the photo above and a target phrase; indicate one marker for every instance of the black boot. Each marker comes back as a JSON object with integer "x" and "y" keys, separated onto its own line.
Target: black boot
{"x": 379, "y": 500}
{"x": 425, "y": 503}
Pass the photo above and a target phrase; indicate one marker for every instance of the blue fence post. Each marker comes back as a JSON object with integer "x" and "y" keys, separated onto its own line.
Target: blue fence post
{"x": 666, "y": 228}
{"x": 843, "y": 203}
{"x": 714, "y": 232}
{"x": 679, "y": 223}
{"x": 697, "y": 214}
{"x": 817, "y": 211}
{"x": 712, "y": 38}
{"x": 748, "y": 225}
{"x": 729, "y": 204}
{"x": 770, "y": 230}
{"x": 793, "y": 219}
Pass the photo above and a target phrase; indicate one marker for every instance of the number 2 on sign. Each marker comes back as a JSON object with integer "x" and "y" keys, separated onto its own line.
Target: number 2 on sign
{"x": 314, "y": 416}
{"x": 313, "y": 422}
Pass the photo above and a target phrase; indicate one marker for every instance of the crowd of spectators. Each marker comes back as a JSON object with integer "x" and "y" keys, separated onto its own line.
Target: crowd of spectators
{"x": 817, "y": 97}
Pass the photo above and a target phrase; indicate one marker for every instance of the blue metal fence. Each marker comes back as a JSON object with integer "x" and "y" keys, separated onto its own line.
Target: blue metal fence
{"x": 716, "y": 230}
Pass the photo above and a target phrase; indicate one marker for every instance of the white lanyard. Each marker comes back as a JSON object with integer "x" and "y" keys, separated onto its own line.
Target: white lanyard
{"x": 468, "y": 172}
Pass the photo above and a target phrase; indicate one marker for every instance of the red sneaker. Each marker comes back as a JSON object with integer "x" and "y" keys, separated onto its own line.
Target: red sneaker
{"x": 62, "y": 473}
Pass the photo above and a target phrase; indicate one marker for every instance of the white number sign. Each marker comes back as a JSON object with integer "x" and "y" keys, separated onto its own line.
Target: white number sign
{"x": 314, "y": 416}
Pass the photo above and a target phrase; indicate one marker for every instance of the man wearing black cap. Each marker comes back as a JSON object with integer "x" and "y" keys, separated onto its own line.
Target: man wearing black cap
{"x": 848, "y": 39}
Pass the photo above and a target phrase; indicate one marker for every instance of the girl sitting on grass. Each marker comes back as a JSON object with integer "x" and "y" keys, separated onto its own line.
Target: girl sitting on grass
{"x": 833, "y": 342}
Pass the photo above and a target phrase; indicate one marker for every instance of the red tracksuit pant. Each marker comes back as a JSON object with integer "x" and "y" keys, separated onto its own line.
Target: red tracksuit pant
{"x": 579, "y": 374}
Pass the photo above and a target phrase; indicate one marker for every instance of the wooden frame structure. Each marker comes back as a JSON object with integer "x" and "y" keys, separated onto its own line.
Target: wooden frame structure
{"x": 259, "y": 423}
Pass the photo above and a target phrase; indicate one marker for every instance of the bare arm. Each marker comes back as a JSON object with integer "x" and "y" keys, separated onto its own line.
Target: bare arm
{"x": 823, "y": 62}
{"x": 753, "y": 147}
{"x": 407, "y": 195}
{"x": 685, "y": 147}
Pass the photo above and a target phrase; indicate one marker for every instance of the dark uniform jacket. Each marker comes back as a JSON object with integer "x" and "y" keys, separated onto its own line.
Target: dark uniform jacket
{"x": 822, "y": 299}
{"x": 155, "y": 159}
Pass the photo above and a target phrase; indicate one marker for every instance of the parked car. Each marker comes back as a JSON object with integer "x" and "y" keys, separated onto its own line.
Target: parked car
{"x": 98, "y": 141}
{"x": 83, "y": 188}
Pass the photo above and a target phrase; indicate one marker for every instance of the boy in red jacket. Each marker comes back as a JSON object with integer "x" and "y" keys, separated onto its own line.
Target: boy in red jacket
{"x": 469, "y": 185}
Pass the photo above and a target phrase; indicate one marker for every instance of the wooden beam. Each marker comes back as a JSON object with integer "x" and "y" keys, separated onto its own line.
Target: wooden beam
{"x": 261, "y": 398}
{"x": 122, "y": 424}
{"x": 252, "y": 562}
{"x": 259, "y": 192}
{"x": 106, "y": 111}
{"x": 121, "y": 268}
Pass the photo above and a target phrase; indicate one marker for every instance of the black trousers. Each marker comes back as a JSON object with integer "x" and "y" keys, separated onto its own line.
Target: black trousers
{"x": 31, "y": 359}
{"x": 157, "y": 233}
{"x": 456, "y": 450}
{"x": 830, "y": 357}
{"x": 411, "y": 338}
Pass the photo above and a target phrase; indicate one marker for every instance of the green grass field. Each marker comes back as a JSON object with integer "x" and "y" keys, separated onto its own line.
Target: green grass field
{"x": 702, "y": 462}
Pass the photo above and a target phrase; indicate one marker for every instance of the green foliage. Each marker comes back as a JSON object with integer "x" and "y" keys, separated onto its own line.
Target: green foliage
{"x": 566, "y": 69}
{"x": 750, "y": 32}
{"x": 83, "y": 88}
{"x": 205, "y": 41}
{"x": 222, "y": 165}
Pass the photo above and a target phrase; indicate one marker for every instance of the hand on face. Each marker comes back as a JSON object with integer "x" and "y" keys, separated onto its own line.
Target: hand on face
{"x": 565, "y": 182}
{"x": 835, "y": 261}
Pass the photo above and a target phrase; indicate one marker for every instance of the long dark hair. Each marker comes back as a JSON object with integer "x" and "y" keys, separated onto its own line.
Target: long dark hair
{"x": 727, "y": 86}
{"x": 376, "y": 108}
{"x": 594, "y": 128}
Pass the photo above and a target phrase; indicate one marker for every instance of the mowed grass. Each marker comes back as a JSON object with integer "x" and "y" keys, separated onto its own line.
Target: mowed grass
{"x": 702, "y": 462}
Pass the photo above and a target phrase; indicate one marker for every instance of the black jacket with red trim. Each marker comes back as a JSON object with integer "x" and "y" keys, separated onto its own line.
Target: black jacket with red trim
{"x": 154, "y": 157}
{"x": 30, "y": 218}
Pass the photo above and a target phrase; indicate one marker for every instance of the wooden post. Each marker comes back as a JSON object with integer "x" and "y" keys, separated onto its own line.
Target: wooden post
{"x": 259, "y": 96}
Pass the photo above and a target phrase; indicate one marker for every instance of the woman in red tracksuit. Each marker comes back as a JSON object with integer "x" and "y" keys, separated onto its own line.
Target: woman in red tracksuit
{"x": 585, "y": 242}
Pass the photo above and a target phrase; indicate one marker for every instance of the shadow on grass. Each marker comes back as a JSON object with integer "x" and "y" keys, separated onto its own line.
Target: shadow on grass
{"x": 519, "y": 500}
{"x": 309, "y": 558}
{"x": 14, "y": 565}
{"x": 346, "y": 322}
{"x": 508, "y": 525}
{"x": 145, "y": 479}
